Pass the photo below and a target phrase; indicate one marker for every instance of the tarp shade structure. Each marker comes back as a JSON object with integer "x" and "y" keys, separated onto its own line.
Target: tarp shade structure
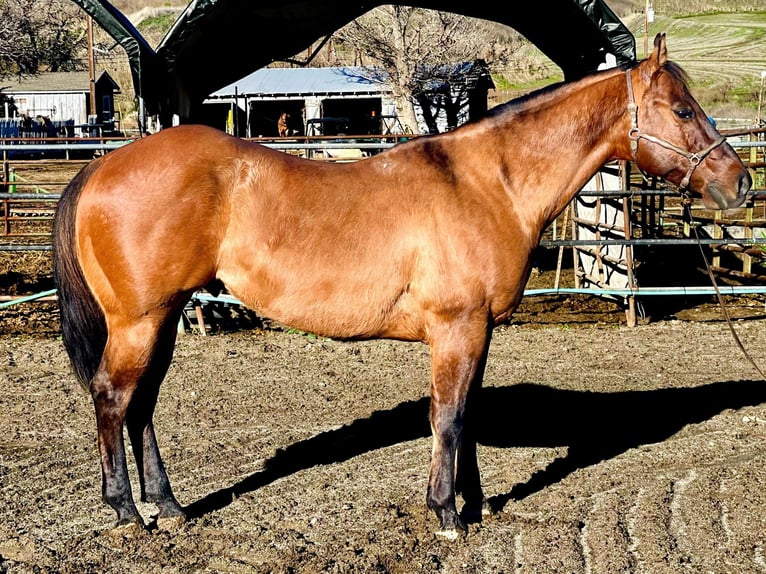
{"x": 215, "y": 42}
{"x": 144, "y": 63}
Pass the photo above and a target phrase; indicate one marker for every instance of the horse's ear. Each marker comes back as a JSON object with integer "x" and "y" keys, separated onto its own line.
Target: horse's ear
{"x": 660, "y": 54}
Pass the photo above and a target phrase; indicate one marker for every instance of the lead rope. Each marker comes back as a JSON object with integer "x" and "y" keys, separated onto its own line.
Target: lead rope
{"x": 719, "y": 295}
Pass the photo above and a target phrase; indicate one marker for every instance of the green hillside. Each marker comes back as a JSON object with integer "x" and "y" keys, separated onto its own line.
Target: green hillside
{"x": 724, "y": 54}
{"x": 720, "y": 43}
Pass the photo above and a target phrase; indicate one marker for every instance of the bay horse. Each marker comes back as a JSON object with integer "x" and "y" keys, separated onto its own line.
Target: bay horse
{"x": 282, "y": 125}
{"x": 430, "y": 241}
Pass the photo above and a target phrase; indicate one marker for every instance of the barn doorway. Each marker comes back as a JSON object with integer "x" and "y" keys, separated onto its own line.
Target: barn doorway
{"x": 264, "y": 116}
{"x": 361, "y": 116}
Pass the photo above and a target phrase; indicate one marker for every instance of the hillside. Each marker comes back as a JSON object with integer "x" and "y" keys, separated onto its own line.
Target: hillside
{"x": 720, "y": 43}
{"x": 723, "y": 53}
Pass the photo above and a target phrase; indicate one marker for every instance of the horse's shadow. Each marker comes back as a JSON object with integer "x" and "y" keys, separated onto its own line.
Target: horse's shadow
{"x": 594, "y": 426}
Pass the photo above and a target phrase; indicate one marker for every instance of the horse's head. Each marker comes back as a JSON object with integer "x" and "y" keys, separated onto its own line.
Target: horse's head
{"x": 673, "y": 138}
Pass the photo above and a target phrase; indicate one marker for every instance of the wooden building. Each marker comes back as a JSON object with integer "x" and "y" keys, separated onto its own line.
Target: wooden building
{"x": 63, "y": 97}
{"x": 349, "y": 100}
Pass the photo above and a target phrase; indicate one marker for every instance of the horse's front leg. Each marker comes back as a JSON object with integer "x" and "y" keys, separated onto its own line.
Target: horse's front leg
{"x": 458, "y": 356}
{"x": 467, "y": 476}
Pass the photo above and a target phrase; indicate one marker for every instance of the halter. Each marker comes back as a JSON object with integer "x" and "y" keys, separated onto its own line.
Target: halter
{"x": 695, "y": 158}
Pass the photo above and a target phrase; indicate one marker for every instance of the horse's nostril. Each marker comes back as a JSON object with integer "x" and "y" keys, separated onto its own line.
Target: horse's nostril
{"x": 745, "y": 182}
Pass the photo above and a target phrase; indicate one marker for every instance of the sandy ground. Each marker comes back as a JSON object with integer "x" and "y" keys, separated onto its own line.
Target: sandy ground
{"x": 604, "y": 449}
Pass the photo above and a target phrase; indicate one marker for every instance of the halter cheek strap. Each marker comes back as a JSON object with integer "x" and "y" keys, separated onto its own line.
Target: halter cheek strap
{"x": 634, "y": 134}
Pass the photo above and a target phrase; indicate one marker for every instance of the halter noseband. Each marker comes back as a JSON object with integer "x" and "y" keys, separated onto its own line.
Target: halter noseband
{"x": 635, "y": 134}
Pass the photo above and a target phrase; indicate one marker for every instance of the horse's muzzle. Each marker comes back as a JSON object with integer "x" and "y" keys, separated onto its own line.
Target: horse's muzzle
{"x": 718, "y": 196}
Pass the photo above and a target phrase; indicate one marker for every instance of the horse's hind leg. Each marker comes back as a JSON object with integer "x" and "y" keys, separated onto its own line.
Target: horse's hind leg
{"x": 458, "y": 355}
{"x": 155, "y": 486}
{"x": 130, "y": 361}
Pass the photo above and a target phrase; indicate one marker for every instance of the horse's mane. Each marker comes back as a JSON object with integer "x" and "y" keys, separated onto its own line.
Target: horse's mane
{"x": 559, "y": 89}
{"x": 551, "y": 92}
{"x": 677, "y": 72}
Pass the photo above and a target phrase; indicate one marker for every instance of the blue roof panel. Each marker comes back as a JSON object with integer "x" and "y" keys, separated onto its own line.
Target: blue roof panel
{"x": 304, "y": 82}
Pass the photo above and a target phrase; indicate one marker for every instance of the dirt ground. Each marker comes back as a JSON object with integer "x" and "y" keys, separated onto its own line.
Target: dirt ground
{"x": 604, "y": 449}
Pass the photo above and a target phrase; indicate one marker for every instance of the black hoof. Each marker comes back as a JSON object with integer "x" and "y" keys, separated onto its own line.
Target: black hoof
{"x": 474, "y": 512}
{"x": 171, "y": 510}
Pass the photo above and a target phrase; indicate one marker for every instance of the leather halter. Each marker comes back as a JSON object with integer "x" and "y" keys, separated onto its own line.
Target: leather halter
{"x": 695, "y": 158}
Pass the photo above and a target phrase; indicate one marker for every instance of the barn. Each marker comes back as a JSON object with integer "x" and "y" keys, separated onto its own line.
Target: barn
{"x": 64, "y": 97}
{"x": 350, "y": 100}
{"x": 327, "y": 100}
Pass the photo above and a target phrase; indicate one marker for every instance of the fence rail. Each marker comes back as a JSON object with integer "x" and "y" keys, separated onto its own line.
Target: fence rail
{"x": 28, "y": 200}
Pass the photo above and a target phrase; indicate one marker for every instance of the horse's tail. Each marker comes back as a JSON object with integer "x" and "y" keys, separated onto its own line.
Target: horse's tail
{"x": 82, "y": 320}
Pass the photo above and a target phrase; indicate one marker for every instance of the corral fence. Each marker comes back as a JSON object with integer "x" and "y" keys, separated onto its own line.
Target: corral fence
{"x": 617, "y": 224}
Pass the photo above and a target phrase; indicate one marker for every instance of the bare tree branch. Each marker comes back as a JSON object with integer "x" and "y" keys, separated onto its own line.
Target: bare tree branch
{"x": 405, "y": 41}
{"x": 40, "y": 35}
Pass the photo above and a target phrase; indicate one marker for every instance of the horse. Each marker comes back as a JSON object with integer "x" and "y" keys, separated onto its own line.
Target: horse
{"x": 282, "y": 124}
{"x": 429, "y": 241}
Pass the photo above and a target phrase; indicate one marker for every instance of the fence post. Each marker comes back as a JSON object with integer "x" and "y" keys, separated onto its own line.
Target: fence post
{"x": 717, "y": 234}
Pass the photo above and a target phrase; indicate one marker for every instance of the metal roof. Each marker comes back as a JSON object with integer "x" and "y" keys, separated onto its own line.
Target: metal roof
{"x": 76, "y": 82}
{"x": 216, "y": 42}
{"x": 304, "y": 82}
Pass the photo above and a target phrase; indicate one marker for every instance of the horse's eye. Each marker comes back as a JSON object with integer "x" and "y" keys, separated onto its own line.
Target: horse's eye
{"x": 684, "y": 113}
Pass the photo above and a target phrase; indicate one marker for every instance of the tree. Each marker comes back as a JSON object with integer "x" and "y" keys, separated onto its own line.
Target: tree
{"x": 406, "y": 42}
{"x": 41, "y": 35}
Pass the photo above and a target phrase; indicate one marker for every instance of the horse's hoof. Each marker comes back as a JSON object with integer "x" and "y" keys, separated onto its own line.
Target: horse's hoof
{"x": 128, "y": 528}
{"x": 452, "y": 527}
{"x": 450, "y": 534}
{"x": 473, "y": 512}
{"x": 170, "y": 523}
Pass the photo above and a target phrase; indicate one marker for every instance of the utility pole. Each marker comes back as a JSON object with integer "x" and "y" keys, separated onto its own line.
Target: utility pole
{"x": 646, "y": 28}
{"x": 91, "y": 67}
{"x": 760, "y": 101}
{"x": 648, "y": 19}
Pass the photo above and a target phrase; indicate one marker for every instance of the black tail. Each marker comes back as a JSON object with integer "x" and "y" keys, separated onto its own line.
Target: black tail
{"x": 82, "y": 320}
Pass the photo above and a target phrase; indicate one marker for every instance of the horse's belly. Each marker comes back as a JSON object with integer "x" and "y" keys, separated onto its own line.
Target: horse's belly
{"x": 335, "y": 307}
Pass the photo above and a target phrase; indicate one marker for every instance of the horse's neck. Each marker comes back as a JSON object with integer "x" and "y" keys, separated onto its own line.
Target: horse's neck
{"x": 562, "y": 141}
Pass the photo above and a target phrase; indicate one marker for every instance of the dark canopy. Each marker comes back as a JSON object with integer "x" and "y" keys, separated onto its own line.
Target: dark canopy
{"x": 216, "y": 42}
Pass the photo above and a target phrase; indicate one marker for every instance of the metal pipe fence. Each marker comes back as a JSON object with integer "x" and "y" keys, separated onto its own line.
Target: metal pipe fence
{"x": 42, "y": 204}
